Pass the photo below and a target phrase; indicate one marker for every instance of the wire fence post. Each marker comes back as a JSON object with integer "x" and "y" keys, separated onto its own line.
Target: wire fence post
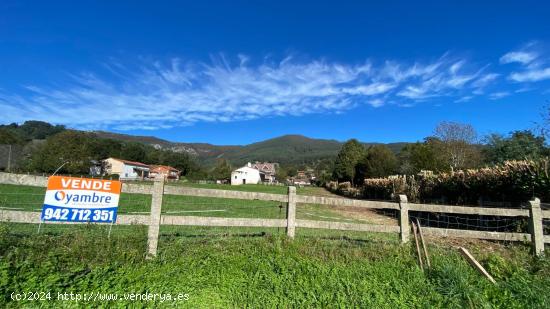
{"x": 154, "y": 220}
{"x": 291, "y": 213}
{"x": 535, "y": 226}
{"x": 404, "y": 218}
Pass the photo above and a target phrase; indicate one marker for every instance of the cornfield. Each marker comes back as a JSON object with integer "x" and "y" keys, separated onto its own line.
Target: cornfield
{"x": 513, "y": 182}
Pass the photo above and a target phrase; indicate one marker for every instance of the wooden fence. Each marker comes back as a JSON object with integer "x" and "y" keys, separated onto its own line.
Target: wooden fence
{"x": 158, "y": 190}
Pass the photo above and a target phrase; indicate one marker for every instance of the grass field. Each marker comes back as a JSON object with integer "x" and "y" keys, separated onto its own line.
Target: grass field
{"x": 221, "y": 267}
{"x": 31, "y": 199}
{"x": 260, "y": 270}
{"x": 304, "y": 190}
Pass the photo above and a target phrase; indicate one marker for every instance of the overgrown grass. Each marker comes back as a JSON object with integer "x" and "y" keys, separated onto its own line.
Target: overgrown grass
{"x": 250, "y": 269}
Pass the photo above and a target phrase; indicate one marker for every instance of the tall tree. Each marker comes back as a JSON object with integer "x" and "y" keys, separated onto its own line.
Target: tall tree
{"x": 379, "y": 161}
{"x": 520, "y": 145}
{"x": 222, "y": 171}
{"x": 458, "y": 144}
{"x": 428, "y": 155}
{"x": 68, "y": 148}
{"x": 344, "y": 166}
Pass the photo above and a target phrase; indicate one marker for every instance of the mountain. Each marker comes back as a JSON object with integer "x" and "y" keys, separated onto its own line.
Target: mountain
{"x": 286, "y": 149}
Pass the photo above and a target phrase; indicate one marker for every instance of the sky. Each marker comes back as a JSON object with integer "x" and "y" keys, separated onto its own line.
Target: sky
{"x": 237, "y": 72}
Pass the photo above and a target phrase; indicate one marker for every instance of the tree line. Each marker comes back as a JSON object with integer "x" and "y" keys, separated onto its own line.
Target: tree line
{"x": 453, "y": 146}
{"x": 48, "y": 147}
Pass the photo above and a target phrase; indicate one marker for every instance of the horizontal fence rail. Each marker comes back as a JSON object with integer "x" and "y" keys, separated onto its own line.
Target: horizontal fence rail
{"x": 158, "y": 189}
{"x": 484, "y": 211}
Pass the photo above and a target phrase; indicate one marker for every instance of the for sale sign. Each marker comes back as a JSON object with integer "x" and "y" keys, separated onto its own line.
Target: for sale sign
{"x": 81, "y": 200}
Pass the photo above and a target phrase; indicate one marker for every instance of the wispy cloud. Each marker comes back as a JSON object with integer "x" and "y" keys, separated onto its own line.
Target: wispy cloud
{"x": 534, "y": 63}
{"x": 498, "y": 95}
{"x": 531, "y": 75}
{"x": 522, "y": 57}
{"x": 156, "y": 94}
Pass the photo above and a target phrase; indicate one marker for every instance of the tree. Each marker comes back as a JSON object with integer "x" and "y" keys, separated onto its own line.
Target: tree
{"x": 71, "y": 148}
{"x": 281, "y": 174}
{"x": 458, "y": 144}
{"x": 423, "y": 156}
{"x": 222, "y": 171}
{"x": 33, "y": 129}
{"x": 520, "y": 145}
{"x": 8, "y": 137}
{"x": 134, "y": 151}
{"x": 181, "y": 161}
{"x": 344, "y": 166}
{"x": 379, "y": 161}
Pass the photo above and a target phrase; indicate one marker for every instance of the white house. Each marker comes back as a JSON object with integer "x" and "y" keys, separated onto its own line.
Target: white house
{"x": 245, "y": 175}
{"x": 126, "y": 170}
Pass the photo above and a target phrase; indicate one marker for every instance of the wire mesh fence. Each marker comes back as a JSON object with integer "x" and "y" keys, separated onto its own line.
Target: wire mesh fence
{"x": 255, "y": 206}
{"x": 545, "y": 222}
{"x": 13, "y": 197}
{"x": 471, "y": 222}
{"x": 346, "y": 214}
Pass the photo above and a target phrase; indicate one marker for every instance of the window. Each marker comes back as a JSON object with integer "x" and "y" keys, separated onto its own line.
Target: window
{"x": 235, "y": 176}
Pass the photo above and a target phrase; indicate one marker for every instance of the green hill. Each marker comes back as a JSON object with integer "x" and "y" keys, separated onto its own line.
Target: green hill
{"x": 286, "y": 149}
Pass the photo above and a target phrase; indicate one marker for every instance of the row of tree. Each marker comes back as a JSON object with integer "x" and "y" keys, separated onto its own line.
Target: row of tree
{"x": 453, "y": 146}
{"x": 76, "y": 151}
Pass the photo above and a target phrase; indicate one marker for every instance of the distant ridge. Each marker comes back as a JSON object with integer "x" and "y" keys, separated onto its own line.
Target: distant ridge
{"x": 286, "y": 149}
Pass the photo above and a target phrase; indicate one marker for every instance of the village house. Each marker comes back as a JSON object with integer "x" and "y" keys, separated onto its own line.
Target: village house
{"x": 245, "y": 175}
{"x": 126, "y": 170}
{"x": 164, "y": 171}
{"x": 303, "y": 178}
{"x": 267, "y": 171}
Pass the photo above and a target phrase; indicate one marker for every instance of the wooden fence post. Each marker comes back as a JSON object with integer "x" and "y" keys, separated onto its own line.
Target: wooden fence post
{"x": 154, "y": 220}
{"x": 404, "y": 218}
{"x": 535, "y": 226}
{"x": 291, "y": 212}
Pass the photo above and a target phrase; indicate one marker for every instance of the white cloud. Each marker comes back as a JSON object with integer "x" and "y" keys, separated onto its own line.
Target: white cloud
{"x": 498, "y": 95}
{"x": 533, "y": 75}
{"x": 534, "y": 63}
{"x": 177, "y": 93}
{"x": 485, "y": 80}
{"x": 464, "y": 99}
{"x": 522, "y": 57}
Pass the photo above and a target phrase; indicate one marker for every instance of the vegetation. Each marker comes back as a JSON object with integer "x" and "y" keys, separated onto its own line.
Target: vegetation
{"x": 79, "y": 149}
{"x": 260, "y": 270}
{"x": 521, "y": 145}
{"x": 222, "y": 171}
{"x": 513, "y": 182}
{"x": 18, "y": 134}
{"x": 379, "y": 161}
{"x": 345, "y": 164}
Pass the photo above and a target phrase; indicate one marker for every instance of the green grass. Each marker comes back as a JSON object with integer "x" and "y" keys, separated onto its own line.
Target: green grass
{"x": 253, "y": 267}
{"x": 261, "y": 270}
{"x": 306, "y": 190}
{"x": 31, "y": 199}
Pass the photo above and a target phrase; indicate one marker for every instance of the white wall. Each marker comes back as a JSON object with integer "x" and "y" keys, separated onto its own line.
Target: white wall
{"x": 251, "y": 175}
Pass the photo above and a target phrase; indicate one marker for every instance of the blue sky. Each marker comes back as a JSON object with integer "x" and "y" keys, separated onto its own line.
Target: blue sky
{"x": 236, "y": 72}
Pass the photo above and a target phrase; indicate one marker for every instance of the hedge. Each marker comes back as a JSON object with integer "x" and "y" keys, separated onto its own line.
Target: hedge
{"x": 513, "y": 182}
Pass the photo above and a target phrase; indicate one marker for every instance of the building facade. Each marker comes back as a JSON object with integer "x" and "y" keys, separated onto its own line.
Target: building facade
{"x": 245, "y": 175}
{"x": 126, "y": 170}
{"x": 267, "y": 171}
{"x": 164, "y": 171}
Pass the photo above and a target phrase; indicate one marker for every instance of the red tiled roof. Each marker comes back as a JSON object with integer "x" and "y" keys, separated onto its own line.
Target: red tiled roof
{"x": 131, "y": 162}
{"x": 166, "y": 167}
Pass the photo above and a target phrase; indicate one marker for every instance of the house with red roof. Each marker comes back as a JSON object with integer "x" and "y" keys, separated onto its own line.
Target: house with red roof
{"x": 165, "y": 171}
{"x": 125, "y": 169}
